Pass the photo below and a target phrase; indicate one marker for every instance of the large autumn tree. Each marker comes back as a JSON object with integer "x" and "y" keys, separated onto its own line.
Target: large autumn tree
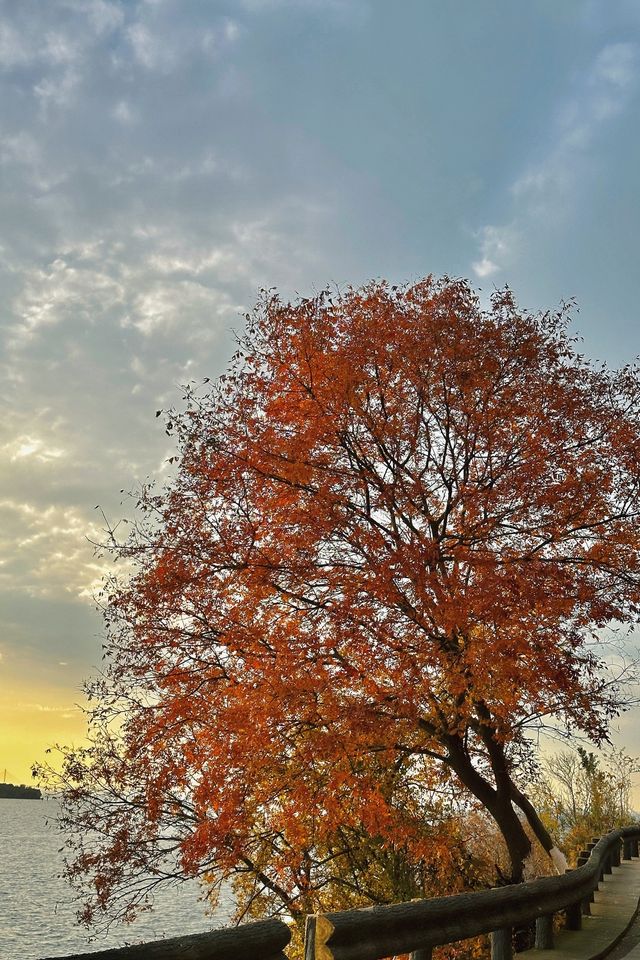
{"x": 397, "y": 528}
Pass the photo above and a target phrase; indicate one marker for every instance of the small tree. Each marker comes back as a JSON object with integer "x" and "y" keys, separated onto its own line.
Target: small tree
{"x": 396, "y": 525}
{"x": 581, "y": 795}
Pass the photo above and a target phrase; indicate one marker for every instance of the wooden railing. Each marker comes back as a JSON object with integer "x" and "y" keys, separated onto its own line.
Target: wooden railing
{"x": 265, "y": 939}
{"x": 377, "y": 933}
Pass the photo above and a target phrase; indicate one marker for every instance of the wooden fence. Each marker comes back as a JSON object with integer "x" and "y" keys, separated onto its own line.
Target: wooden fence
{"x": 265, "y": 939}
{"x": 377, "y": 933}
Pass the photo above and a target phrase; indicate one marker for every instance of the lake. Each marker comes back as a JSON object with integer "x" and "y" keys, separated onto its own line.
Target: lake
{"x": 37, "y": 917}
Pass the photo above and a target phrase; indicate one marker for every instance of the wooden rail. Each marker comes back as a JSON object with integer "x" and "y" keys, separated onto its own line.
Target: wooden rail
{"x": 377, "y": 933}
{"x": 265, "y": 939}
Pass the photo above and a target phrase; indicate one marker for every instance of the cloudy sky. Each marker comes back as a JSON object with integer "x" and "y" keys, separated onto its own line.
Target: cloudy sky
{"x": 161, "y": 160}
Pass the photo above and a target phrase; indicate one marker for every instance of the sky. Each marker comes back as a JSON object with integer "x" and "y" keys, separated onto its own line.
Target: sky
{"x": 162, "y": 160}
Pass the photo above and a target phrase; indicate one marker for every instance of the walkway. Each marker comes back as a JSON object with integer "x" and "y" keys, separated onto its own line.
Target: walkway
{"x": 612, "y": 916}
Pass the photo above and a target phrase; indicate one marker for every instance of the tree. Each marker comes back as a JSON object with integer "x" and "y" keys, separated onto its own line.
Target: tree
{"x": 582, "y": 795}
{"x": 396, "y": 529}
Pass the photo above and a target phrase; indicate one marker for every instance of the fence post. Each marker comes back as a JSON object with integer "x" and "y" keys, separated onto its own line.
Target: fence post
{"x": 586, "y": 853}
{"x": 501, "y": 945}
{"x": 310, "y": 938}
{"x": 423, "y": 954}
{"x": 573, "y": 914}
{"x": 586, "y": 903}
{"x": 317, "y": 930}
{"x": 544, "y": 932}
{"x": 615, "y": 855}
{"x": 594, "y": 841}
{"x": 603, "y": 865}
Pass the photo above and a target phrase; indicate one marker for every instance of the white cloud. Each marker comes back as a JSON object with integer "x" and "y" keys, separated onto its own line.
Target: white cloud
{"x": 14, "y": 51}
{"x": 498, "y": 247}
{"x": 182, "y": 305}
{"x": 44, "y": 708}
{"x": 21, "y": 154}
{"x": 228, "y": 32}
{"x": 59, "y": 49}
{"x": 20, "y": 148}
{"x": 605, "y": 92}
{"x": 102, "y": 15}
{"x": 53, "y": 39}
{"x": 617, "y": 64}
{"x": 57, "y": 91}
{"x": 485, "y": 267}
{"x": 162, "y": 50}
{"x": 46, "y": 551}
{"x": 25, "y": 446}
{"x": 49, "y": 294}
{"x": 124, "y": 113}
{"x": 147, "y": 50}
{"x": 545, "y": 192}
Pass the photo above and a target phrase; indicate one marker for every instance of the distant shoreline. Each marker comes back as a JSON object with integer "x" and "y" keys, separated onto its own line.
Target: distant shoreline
{"x": 13, "y": 791}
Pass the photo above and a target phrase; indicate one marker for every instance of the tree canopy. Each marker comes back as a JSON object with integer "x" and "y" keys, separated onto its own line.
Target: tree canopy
{"x": 397, "y": 526}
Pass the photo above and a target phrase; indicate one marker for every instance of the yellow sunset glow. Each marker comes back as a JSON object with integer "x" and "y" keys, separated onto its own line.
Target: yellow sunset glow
{"x": 32, "y": 721}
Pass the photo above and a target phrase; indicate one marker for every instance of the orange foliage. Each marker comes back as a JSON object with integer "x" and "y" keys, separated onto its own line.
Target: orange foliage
{"x": 396, "y": 523}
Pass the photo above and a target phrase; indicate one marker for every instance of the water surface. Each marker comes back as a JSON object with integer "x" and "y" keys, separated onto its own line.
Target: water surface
{"x": 37, "y": 917}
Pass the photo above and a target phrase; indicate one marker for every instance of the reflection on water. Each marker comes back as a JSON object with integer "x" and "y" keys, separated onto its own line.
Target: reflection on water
{"x": 37, "y": 918}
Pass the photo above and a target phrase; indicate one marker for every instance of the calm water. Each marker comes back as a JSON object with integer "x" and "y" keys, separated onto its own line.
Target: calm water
{"x": 37, "y": 918}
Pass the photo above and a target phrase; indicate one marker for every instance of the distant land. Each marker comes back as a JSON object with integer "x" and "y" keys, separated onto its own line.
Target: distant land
{"x": 12, "y": 791}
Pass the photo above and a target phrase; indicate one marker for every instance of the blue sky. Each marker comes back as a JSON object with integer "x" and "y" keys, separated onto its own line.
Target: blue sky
{"x": 161, "y": 160}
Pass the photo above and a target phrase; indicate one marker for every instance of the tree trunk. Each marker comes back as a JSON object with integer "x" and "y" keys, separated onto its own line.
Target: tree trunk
{"x": 539, "y": 829}
{"x": 505, "y": 785}
{"x": 517, "y": 842}
{"x": 497, "y": 800}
